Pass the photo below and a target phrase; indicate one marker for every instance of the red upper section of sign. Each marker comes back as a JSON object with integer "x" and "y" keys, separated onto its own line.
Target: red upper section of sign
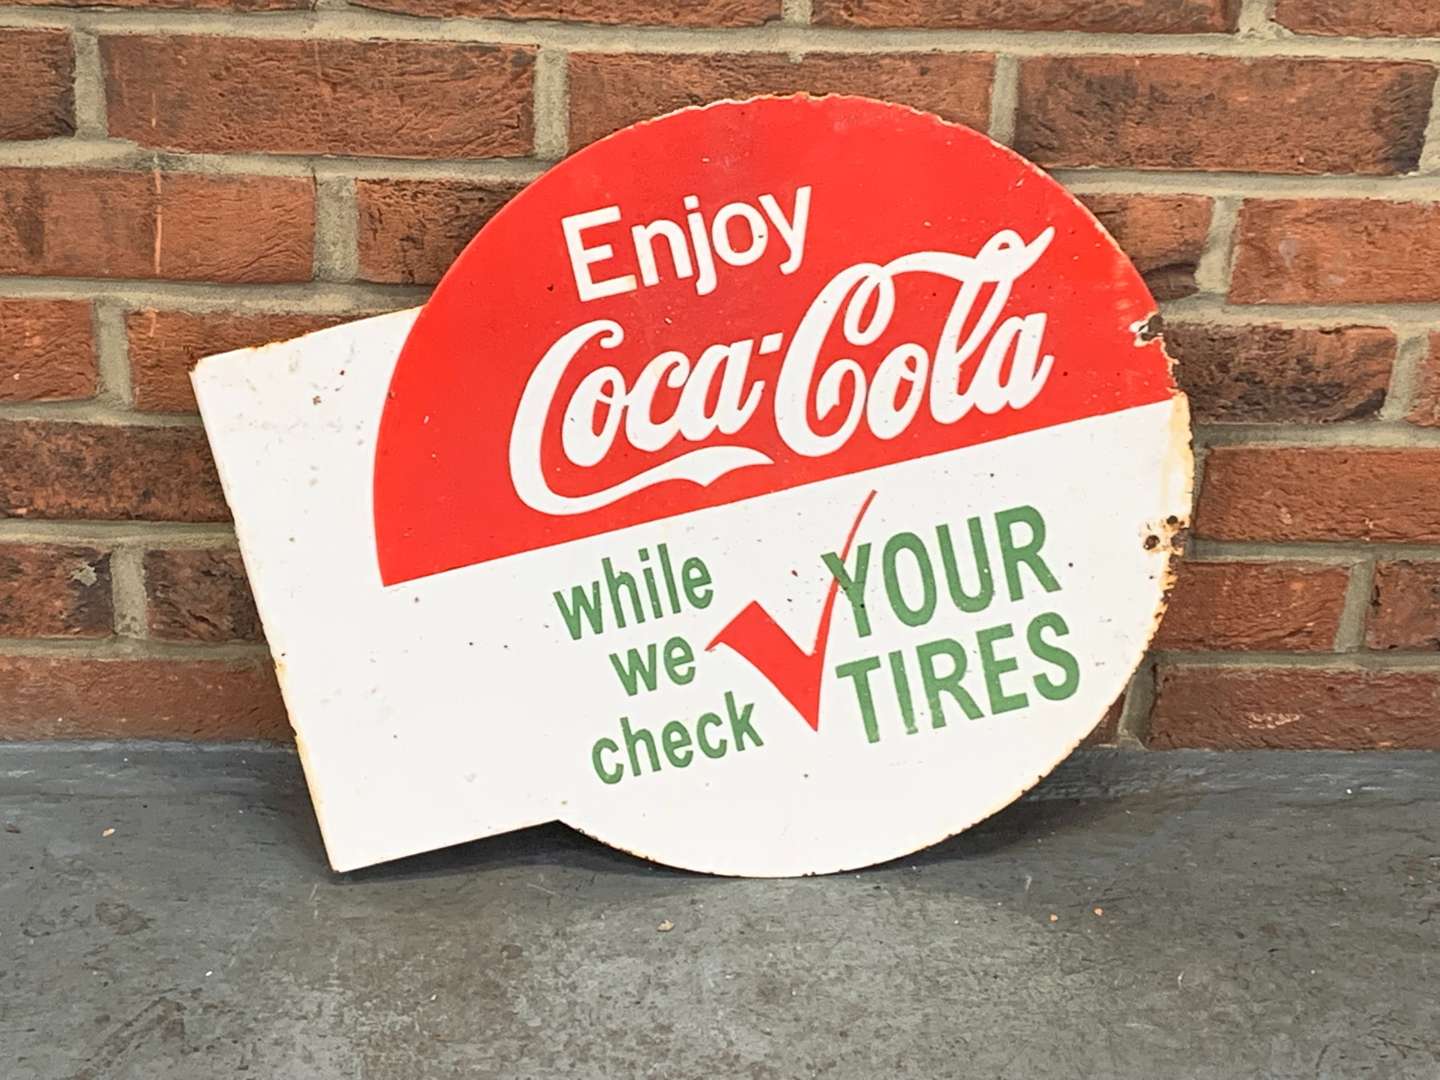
{"x": 885, "y": 286}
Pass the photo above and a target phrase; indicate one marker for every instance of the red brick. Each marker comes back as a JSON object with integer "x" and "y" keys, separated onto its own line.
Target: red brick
{"x": 1115, "y": 16}
{"x": 411, "y": 230}
{"x": 1277, "y": 374}
{"x": 178, "y": 5}
{"x": 52, "y": 591}
{"x": 199, "y": 594}
{"x": 1320, "y": 493}
{"x": 1224, "y": 114}
{"x": 1295, "y": 709}
{"x": 1425, "y": 410}
{"x": 1164, "y": 235}
{"x": 47, "y": 350}
{"x": 1247, "y": 605}
{"x": 204, "y": 700}
{"x": 181, "y": 226}
{"x": 609, "y": 12}
{"x": 1360, "y": 18}
{"x": 1405, "y": 607}
{"x": 608, "y": 92}
{"x": 388, "y": 98}
{"x": 37, "y": 84}
{"x": 1336, "y": 251}
{"x": 164, "y": 346}
{"x": 70, "y": 471}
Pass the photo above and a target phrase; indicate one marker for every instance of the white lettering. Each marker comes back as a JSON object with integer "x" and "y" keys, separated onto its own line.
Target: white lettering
{"x": 738, "y": 235}
{"x": 703, "y": 466}
{"x": 1011, "y": 371}
{"x": 582, "y": 258}
{"x": 705, "y": 283}
{"x": 644, "y": 238}
{"x": 792, "y": 231}
{"x": 720, "y": 233}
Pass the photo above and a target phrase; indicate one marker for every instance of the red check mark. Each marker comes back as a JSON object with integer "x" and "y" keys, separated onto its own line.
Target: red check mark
{"x": 772, "y": 652}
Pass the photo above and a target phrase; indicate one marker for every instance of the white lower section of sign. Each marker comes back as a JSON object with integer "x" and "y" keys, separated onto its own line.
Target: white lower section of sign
{"x": 462, "y": 705}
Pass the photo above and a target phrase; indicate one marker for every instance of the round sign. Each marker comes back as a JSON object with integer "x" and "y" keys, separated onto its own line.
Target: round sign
{"x": 811, "y": 468}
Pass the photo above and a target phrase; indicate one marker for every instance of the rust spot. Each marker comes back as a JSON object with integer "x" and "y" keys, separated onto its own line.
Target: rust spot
{"x": 1149, "y": 330}
{"x": 1152, "y": 542}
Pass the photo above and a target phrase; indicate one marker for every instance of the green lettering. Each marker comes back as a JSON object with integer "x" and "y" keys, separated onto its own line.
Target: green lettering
{"x": 695, "y": 576}
{"x": 636, "y": 739}
{"x": 916, "y": 616}
{"x": 1013, "y": 554}
{"x": 740, "y": 725}
{"x": 936, "y": 684}
{"x": 858, "y": 671}
{"x": 635, "y": 671}
{"x": 618, "y": 585}
{"x": 981, "y": 554}
{"x": 679, "y": 661}
{"x": 709, "y": 749}
{"x": 853, "y": 587}
{"x": 1061, "y": 658}
{"x": 902, "y": 690}
{"x": 581, "y": 606}
{"x": 996, "y": 667}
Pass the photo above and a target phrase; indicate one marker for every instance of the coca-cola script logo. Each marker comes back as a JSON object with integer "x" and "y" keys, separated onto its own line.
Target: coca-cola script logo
{"x": 736, "y": 300}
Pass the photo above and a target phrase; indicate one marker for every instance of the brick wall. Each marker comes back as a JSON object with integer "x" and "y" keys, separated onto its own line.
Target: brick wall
{"x": 180, "y": 177}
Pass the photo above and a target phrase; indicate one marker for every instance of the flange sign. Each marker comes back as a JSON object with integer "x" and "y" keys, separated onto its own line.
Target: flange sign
{"x": 772, "y": 488}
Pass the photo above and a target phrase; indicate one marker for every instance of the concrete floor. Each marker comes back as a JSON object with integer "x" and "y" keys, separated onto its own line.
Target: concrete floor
{"x": 1264, "y": 915}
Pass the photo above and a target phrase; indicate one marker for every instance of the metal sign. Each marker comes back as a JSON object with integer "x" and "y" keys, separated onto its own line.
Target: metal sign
{"x": 773, "y": 488}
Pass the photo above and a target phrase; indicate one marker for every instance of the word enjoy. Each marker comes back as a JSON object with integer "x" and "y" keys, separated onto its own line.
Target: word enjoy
{"x": 692, "y": 249}
{"x": 718, "y": 397}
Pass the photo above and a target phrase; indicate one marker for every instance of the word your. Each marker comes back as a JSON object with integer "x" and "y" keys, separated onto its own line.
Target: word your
{"x": 910, "y": 551}
{"x": 1004, "y": 360}
{"x": 692, "y": 249}
{"x": 616, "y": 590}
{"x": 676, "y": 741}
{"x": 911, "y": 572}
